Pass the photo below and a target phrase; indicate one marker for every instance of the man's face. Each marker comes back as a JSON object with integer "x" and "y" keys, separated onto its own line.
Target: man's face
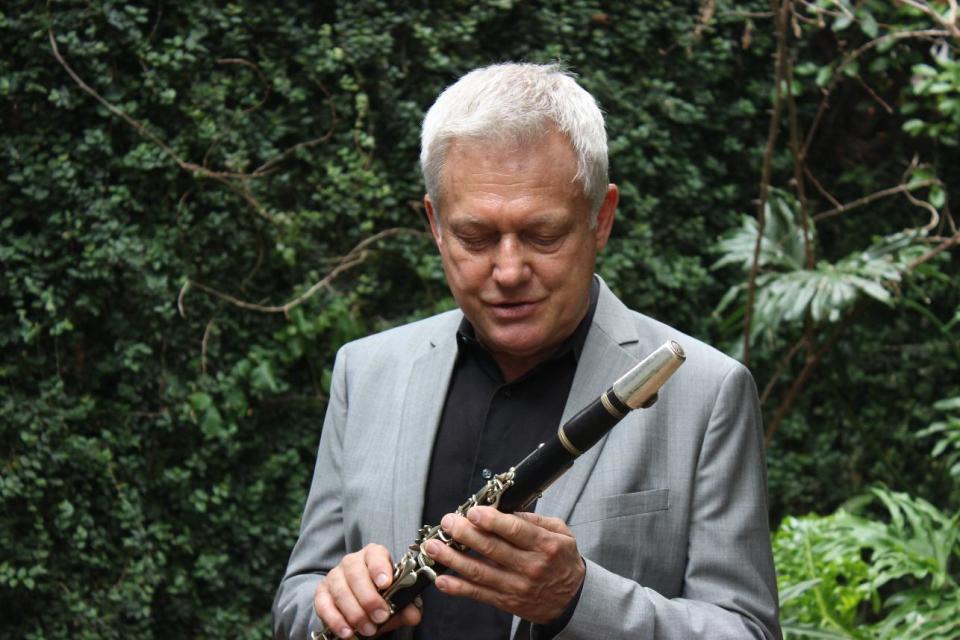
{"x": 514, "y": 234}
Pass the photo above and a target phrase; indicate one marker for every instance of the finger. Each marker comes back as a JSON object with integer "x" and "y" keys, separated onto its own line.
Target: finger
{"x": 346, "y": 601}
{"x": 373, "y": 608}
{"x": 454, "y": 586}
{"x": 545, "y": 522}
{"x": 473, "y": 569}
{"x": 517, "y": 531}
{"x": 486, "y": 544}
{"x": 409, "y": 616}
{"x": 379, "y": 565}
{"x": 329, "y": 614}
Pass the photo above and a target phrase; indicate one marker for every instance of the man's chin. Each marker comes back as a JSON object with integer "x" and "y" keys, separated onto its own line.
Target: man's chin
{"x": 517, "y": 348}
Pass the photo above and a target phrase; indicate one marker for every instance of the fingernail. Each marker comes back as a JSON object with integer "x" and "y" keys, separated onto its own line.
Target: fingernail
{"x": 382, "y": 580}
{"x": 473, "y": 515}
{"x": 433, "y": 547}
{"x": 346, "y": 632}
{"x": 380, "y": 616}
{"x": 368, "y": 629}
{"x": 447, "y": 522}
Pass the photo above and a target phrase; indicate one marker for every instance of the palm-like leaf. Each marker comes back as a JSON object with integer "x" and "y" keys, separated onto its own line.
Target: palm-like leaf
{"x": 787, "y": 292}
{"x": 948, "y": 435}
{"x": 782, "y": 244}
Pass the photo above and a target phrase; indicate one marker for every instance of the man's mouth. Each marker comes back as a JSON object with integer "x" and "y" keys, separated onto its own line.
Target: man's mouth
{"x": 513, "y": 310}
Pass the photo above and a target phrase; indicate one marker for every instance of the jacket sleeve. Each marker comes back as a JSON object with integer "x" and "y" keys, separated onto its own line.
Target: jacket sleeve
{"x": 729, "y": 583}
{"x": 320, "y": 545}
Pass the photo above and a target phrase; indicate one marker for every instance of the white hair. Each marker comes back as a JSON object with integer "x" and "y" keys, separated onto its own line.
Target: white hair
{"x": 517, "y": 102}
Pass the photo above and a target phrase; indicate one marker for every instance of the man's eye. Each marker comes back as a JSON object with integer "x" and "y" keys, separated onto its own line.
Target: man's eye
{"x": 475, "y": 242}
{"x": 546, "y": 241}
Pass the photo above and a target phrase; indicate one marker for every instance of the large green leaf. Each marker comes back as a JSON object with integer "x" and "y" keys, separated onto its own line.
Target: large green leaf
{"x": 787, "y": 292}
{"x": 782, "y": 244}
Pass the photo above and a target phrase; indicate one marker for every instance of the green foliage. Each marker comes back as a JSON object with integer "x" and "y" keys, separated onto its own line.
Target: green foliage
{"x": 156, "y": 438}
{"x": 158, "y": 425}
{"x": 855, "y": 213}
{"x": 787, "y": 292}
{"x": 947, "y": 445}
{"x": 938, "y": 89}
{"x": 852, "y": 576}
{"x": 816, "y": 594}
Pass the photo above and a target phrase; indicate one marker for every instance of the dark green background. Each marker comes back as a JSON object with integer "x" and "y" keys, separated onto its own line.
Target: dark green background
{"x": 157, "y": 441}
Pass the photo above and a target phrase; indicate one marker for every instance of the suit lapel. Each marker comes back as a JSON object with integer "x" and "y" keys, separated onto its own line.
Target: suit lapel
{"x": 603, "y": 360}
{"x": 420, "y": 419}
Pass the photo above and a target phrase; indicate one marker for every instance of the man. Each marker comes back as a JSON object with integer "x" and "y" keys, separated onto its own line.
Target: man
{"x": 659, "y": 531}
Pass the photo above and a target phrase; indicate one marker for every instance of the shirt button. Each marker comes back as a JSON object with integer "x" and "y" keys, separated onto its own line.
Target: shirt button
{"x": 487, "y": 474}
{"x": 507, "y": 393}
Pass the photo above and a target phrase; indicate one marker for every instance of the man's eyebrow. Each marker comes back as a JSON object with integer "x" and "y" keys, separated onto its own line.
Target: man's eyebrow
{"x": 465, "y": 221}
{"x": 546, "y": 218}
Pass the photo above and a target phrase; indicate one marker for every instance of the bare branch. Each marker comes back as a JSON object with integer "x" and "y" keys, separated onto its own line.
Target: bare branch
{"x": 204, "y": 343}
{"x": 799, "y": 162}
{"x": 268, "y": 166}
{"x": 225, "y": 177}
{"x": 355, "y": 256}
{"x": 762, "y": 15}
{"x": 949, "y": 21}
{"x": 263, "y": 79}
{"x": 940, "y": 248}
{"x": 873, "y": 94}
{"x": 810, "y": 364}
{"x": 136, "y": 124}
{"x": 838, "y": 72}
{"x": 781, "y": 366}
{"x": 865, "y": 200}
{"x": 180, "y": 297}
{"x": 843, "y": 9}
{"x": 820, "y": 188}
{"x": 156, "y": 22}
{"x": 773, "y": 133}
{"x": 256, "y": 266}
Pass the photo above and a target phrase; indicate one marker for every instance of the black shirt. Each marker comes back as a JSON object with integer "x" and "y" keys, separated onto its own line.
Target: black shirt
{"x": 487, "y": 426}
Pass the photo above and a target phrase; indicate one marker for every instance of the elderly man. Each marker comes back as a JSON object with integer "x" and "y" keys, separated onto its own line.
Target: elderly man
{"x": 659, "y": 531}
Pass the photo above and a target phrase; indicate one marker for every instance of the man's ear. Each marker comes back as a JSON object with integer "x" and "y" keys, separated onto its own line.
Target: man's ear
{"x": 606, "y": 215}
{"x": 434, "y": 217}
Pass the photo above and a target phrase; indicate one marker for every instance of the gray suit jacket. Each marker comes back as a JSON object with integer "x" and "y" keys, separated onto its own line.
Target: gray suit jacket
{"x": 669, "y": 509}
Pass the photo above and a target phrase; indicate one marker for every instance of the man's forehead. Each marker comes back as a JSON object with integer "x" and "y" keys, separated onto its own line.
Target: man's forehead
{"x": 510, "y": 140}
{"x": 465, "y": 219}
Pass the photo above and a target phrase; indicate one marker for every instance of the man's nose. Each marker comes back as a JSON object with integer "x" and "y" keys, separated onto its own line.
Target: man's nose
{"x": 510, "y": 266}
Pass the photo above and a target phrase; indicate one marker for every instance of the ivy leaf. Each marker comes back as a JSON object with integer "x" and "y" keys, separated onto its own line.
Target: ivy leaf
{"x": 263, "y": 380}
{"x": 200, "y": 401}
{"x": 868, "y": 23}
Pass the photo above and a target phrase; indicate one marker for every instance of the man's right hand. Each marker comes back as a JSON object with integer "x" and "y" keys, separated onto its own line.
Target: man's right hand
{"x": 348, "y": 598}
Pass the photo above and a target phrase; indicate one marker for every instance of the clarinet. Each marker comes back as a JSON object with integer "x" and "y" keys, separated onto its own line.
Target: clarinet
{"x": 518, "y": 487}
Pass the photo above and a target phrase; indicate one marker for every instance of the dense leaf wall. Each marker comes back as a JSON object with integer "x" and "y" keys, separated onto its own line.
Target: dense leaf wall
{"x": 163, "y": 161}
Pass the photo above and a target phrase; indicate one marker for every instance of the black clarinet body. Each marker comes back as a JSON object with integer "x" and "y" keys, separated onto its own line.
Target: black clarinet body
{"x": 518, "y": 487}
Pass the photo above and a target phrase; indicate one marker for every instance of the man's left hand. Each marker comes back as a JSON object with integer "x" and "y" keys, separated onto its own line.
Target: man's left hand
{"x": 530, "y": 565}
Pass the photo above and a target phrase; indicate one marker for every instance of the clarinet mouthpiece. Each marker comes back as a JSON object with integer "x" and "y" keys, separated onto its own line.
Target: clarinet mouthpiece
{"x": 638, "y": 387}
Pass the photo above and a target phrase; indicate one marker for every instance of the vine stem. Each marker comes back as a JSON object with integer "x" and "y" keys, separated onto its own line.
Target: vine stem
{"x": 355, "y": 256}
{"x": 773, "y": 134}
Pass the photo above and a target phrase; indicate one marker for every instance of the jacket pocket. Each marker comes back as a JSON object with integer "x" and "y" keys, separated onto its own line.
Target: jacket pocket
{"x": 620, "y": 505}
